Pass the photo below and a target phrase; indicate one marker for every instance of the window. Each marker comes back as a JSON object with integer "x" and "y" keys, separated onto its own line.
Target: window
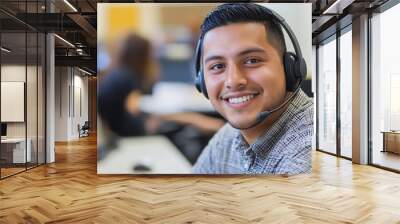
{"x": 346, "y": 94}
{"x": 327, "y": 97}
{"x": 385, "y": 89}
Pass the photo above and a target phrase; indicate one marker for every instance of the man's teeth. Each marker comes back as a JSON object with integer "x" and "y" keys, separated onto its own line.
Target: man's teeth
{"x": 240, "y": 99}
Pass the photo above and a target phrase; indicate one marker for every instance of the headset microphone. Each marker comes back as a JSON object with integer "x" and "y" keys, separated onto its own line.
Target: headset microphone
{"x": 265, "y": 114}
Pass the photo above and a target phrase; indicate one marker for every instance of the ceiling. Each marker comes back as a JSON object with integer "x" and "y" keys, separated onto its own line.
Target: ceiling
{"x": 77, "y": 23}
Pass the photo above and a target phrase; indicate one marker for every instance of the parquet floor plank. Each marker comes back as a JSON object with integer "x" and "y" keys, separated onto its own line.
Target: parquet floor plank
{"x": 70, "y": 191}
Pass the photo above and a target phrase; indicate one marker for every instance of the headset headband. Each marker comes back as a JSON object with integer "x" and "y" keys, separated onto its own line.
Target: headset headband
{"x": 274, "y": 16}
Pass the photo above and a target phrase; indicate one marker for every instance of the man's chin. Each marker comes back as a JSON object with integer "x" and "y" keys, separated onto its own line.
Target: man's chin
{"x": 242, "y": 124}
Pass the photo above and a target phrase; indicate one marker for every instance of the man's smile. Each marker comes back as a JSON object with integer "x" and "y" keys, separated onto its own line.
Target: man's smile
{"x": 239, "y": 100}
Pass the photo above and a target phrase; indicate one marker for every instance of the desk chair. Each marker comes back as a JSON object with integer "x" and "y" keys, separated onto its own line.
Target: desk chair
{"x": 84, "y": 130}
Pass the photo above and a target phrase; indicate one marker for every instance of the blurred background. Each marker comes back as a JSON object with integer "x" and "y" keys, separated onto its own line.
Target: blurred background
{"x": 170, "y": 115}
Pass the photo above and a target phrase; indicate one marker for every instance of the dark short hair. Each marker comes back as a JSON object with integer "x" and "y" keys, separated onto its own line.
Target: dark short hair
{"x": 231, "y": 13}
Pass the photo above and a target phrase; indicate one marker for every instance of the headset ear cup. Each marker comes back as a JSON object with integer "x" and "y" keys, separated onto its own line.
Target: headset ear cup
{"x": 302, "y": 68}
{"x": 200, "y": 84}
{"x": 289, "y": 60}
{"x": 197, "y": 82}
{"x": 203, "y": 85}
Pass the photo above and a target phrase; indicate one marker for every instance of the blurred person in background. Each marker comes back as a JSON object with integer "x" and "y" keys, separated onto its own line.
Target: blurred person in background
{"x": 133, "y": 72}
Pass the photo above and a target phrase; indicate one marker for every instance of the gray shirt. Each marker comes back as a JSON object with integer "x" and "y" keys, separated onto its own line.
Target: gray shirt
{"x": 285, "y": 148}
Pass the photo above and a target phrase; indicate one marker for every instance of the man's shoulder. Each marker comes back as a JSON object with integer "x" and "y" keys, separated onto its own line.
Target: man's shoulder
{"x": 303, "y": 110}
{"x": 298, "y": 130}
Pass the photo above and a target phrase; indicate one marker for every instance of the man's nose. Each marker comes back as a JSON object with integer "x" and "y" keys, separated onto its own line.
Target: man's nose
{"x": 235, "y": 78}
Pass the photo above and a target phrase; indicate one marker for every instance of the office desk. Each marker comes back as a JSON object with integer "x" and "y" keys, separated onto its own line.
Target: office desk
{"x": 391, "y": 141}
{"x": 16, "y": 148}
{"x": 170, "y": 97}
{"x": 156, "y": 152}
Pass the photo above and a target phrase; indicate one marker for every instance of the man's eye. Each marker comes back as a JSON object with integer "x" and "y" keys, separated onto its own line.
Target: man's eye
{"x": 252, "y": 61}
{"x": 217, "y": 67}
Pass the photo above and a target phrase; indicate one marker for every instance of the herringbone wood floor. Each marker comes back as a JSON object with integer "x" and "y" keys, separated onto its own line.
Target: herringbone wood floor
{"x": 70, "y": 191}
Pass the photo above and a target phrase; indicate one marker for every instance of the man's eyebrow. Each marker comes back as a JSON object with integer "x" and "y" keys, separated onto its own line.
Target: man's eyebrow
{"x": 252, "y": 50}
{"x": 244, "y": 52}
{"x": 213, "y": 57}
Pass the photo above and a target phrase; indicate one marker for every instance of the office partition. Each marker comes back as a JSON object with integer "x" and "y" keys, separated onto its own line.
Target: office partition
{"x": 22, "y": 77}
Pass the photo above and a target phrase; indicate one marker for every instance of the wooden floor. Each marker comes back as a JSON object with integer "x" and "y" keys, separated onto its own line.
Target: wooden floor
{"x": 388, "y": 159}
{"x": 70, "y": 191}
{"x": 10, "y": 171}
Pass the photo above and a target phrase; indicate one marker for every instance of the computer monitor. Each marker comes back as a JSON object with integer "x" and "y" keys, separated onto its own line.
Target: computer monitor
{"x": 3, "y": 129}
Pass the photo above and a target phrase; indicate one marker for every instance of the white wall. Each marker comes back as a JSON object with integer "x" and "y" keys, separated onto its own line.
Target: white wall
{"x": 61, "y": 103}
{"x": 71, "y": 93}
{"x": 80, "y": 100}
{"x": 13, "y": 73}
{"x": 298, "y": 17}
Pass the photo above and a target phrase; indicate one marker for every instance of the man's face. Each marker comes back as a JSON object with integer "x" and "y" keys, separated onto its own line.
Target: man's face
{"x": 243, "y": 72}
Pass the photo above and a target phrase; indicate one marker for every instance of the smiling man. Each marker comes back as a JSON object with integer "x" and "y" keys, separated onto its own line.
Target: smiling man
{"x": 250, "y": 79}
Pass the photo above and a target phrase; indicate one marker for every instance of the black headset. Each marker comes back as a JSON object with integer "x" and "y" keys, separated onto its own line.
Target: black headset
{"x": 294, "y": 63}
